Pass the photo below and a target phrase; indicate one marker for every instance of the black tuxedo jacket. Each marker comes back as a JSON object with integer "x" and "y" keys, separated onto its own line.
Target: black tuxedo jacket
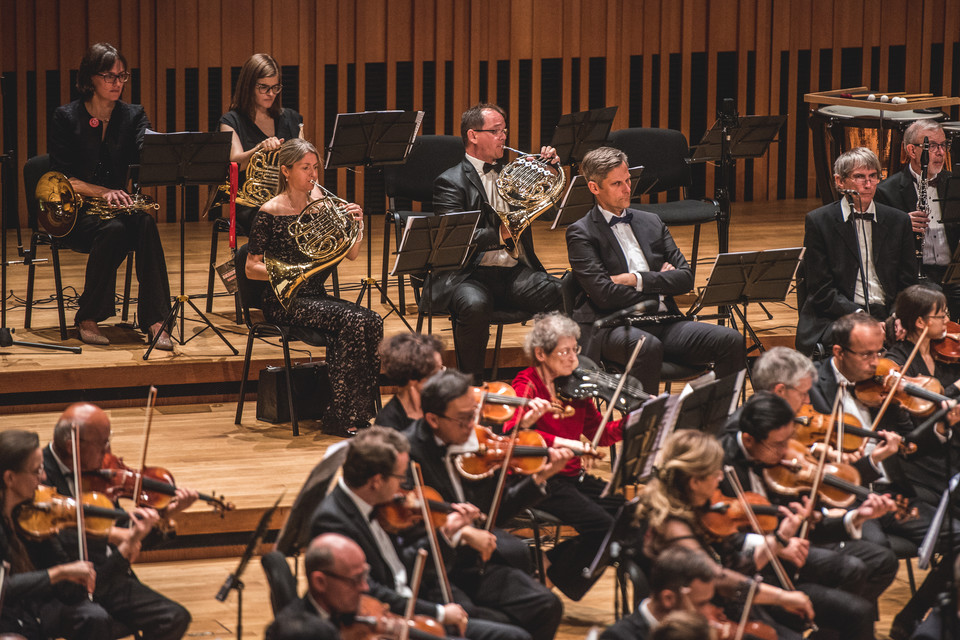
{"x": 595, "y": 255}
{"x": 338, "y": 514}
{"x": 459, "y": 189}
{"x": 832, "y": 266}
{"x": 301, "y": 609}
{"x": 899, "y": 191}
{"x": 425, "y": 450}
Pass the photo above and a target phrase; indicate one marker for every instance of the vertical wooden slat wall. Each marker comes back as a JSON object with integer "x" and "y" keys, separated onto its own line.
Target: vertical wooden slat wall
{"x": 434, "y": 54}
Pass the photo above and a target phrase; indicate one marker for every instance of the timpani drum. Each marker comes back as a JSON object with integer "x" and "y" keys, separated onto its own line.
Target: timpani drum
{"x": 952, "y": 131}
{"x": 839, "y": 128}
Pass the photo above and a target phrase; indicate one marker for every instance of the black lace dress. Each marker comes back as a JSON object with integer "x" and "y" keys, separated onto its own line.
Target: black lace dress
{"x": 355, "y": 331}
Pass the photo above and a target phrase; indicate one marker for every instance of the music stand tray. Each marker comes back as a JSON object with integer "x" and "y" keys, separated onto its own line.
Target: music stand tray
{"x": 434, "y": 244}
{"x": 706, "y": 407}
{"x": 950, "y": 202}
{"x": 749, "y": 139}
{"x": 578, "y": 199}
{"x": 178, "y": 160}
{"x": 371, "y": 139}
{"x": 576, "y": 134}
{"x": 641, "y": 433}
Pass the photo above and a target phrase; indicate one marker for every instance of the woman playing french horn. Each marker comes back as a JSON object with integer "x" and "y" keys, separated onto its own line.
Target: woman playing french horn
{"x": 355, "y": 331}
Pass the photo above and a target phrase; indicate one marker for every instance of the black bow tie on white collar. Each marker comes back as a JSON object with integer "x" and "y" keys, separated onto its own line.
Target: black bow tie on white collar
{"x": 625, "y": 218}
{"x": 862, "y": 216}
{"x": 488, "y": 167}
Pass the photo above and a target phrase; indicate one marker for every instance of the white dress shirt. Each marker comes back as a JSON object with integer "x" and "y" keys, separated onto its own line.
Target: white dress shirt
{"x": 636, "y": 261}
{"x": 935, "y": 249}
{"x": 863, "y": 230}
{"x": 494, "y": 257}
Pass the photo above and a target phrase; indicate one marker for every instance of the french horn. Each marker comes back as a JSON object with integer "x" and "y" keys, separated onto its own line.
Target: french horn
{"x": 61, "y": 206}
{"x": 532, "y": 186}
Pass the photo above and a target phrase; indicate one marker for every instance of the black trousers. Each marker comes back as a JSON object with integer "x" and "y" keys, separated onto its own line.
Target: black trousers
{"x": 490, "y": 289}
{"x": 879, "y": 565}
{"x": 686, "y": 343}
{"x": 108, "y": 242}
{"x": 577, "y": 504}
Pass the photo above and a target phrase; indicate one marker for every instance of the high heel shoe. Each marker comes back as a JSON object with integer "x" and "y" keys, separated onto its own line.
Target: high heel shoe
{"x": 90, "y": 336}
{"x": 164, "y": 343}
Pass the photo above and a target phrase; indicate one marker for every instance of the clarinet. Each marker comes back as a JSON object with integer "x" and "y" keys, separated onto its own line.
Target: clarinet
{"x": 922, "y": 205}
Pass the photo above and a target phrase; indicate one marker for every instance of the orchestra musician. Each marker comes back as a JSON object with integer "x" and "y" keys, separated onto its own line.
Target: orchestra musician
{"x": 258, "y": 120}
{"x": 839, "y": 237}
{"x": 687, "y": 475}
{"x": 622, "y": 257}
{"x": 408, "y": 360}
{"x": 491, "y": 279}
{"x": 573, "y": 495}
{"x": 93, "y": 141}
{"x": 836, "y": 555}
{"x": 901, "y": 191}
{"x": 355, "y": 331}
{"x": 449, "y": 426}
{"x": 336, "y": 570}
{"x": 681, "y": 579}
{"x": 375, "y": 467}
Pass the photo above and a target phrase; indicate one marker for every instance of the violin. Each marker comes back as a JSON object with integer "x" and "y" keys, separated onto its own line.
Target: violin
{"x": 499, "y": 402}
{"x": 840, "y": 486}
{"x": 812, "y": 427}
{"x": 593, "y": 383}
{"x": 725, "y": 516}
{"x": 921, "y": 396}
{"x": 726, "y": 629}
{"x": 530, "y": 454}
{"x": 947, "y": 348}
{"x": 404, "y": 510}
{"x": 50, "y": 512}
{"x": 117, "y": 480}
{"x": 374, "y": 619}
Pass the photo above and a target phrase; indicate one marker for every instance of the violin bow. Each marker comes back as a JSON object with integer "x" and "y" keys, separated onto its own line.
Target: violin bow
{"x": 906, "y": 365}
{"x": 836, "y": 412}
{"x": 78, "y": 496}
{"x": 502, "y": 478}
{"x": 616, "y": 393}
{"x": 415, "y": 579}
{"x": 731, "y": 475}
{"x": 148, "y": 421}
{"x": 745, "y": 616}
{"x": 445, "y": 591}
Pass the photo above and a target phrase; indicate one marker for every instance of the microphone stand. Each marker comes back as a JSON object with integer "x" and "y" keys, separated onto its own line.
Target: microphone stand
{"x": 856, "y": 235}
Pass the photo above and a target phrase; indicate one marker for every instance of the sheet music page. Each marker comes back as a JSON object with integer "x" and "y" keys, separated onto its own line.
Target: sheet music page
{"x": 403, "y": 241}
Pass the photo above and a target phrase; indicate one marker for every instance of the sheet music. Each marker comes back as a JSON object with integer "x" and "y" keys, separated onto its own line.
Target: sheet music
{"x": 925, "y": 552}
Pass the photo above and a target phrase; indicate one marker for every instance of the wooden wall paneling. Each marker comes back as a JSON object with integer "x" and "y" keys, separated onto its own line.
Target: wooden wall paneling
{"x": 569, "y": 49}
{"x": 309, "y": 89}
{"x": 650, "y": 33}
{"x": 767, "y": 98}
{"x": 721, "y": 35}
{"x": 103, "y": 21}
{"x": 745, "y": 43}
{"x": 24, "y": 61}
{"x": 617, "y": 62}
{"x": 209, "y": 46}
{"x": 398, "y": 44}
{"x": 916, "y": 40}
{"x": 951, "y": 27}
{"x": 465, "y": 65}
{"x": 446, "y": 36}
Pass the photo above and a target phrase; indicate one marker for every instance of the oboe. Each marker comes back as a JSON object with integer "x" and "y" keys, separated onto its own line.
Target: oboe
{"x": 922, "y": 205}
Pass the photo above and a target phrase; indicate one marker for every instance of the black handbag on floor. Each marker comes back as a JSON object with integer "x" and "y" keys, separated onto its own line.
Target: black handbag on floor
{"x": 311, "y": 392}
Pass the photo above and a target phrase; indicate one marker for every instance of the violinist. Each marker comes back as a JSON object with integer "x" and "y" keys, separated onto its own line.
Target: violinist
{"x": 42, "y": 597}
{"x": 375, "y": 466}
{"x": 449, "y": 426}
{"x": 681, "y": 579}
{"x": 408, "y": 359}
{"x": 687, "y": 474}
{"x": 862, "y": 569}
{"x": 336, "y": 571}
{"x": 573, "y": 495}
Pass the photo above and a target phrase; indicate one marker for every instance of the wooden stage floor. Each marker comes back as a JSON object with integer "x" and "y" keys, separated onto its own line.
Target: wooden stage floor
{"x": 194, "y": 434}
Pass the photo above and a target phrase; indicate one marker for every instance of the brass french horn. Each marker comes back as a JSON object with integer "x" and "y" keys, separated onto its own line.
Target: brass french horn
{"x": 60, "y": 205}
{"x": 531, "y": 185}
{"x": 325, "y": 232}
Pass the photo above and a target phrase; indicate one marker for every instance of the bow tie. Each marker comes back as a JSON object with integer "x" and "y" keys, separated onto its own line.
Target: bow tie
{"x": 488, "y": 167}
{"x": 862, "y": 216}
{"x": 624, "y": 218}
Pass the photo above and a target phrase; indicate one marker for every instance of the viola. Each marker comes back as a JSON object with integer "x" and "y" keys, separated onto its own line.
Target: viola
{"x": 947, "y": 348}
{"x": 725, "y": 516}
{"x": 726, "y": 629}
{"x": 812, "y": 427}
{"x": 404, "y": 510}
{"x": 841, "y": 482}
{"x": 50, "y": 512}
{"x": 593, "y": 383}
{"x": 117, "y": 480}
{"x": 530, "y": 454}
{"x": 499, "y": 402}
{"x": 921, "y": 395}
{"x": 374, "y": 619}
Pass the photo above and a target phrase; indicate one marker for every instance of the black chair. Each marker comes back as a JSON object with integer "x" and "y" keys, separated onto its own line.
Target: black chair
{"x": 500, "y": 318}
{"x": 413, "y": 181}
{"x": 33, "y": 170}
{"x": 282, "y": 583}
{"x": 664, "y": 154}
{"x": 251, "y": 292}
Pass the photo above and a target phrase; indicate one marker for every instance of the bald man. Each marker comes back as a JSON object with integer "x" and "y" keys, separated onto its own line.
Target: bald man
{"x": 124, "y": 603}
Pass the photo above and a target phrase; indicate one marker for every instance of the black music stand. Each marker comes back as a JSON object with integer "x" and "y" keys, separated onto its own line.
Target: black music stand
{"x": 370, "y": 139}
{"x": 178, "y": 160}
{"x": 434, "y": 244}
{"x": 950, "y": 202}
{"x": 578, "y": 199}
{"x": 707, "y": 407}
{"x": 641, "y": 433}
{"x": 730, "y": 138}
{"x": 577, "y": 134}
{"x": 740, "y": 278}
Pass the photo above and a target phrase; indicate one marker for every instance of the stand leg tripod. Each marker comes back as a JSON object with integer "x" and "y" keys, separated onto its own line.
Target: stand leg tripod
{"x": 369, "y": 283}
{"x": 178, "y": 310}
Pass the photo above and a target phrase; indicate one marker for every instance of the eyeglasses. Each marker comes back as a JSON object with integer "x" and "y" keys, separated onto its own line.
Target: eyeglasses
{"x": 776, "y": 446}
{"x": 269, "y": 88}
{"x": 563, "y": 353}
{"x": 496, "y": 132}
{"x": 356, "y": 581}
{"x": 938, "y": 316}
{"x": 463, "y": 423}
{"x": 114, "y": 78}
{"x": 865, "y": 354}
{"x": 943, "y": 147}
{"x": 864, "y": 177}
